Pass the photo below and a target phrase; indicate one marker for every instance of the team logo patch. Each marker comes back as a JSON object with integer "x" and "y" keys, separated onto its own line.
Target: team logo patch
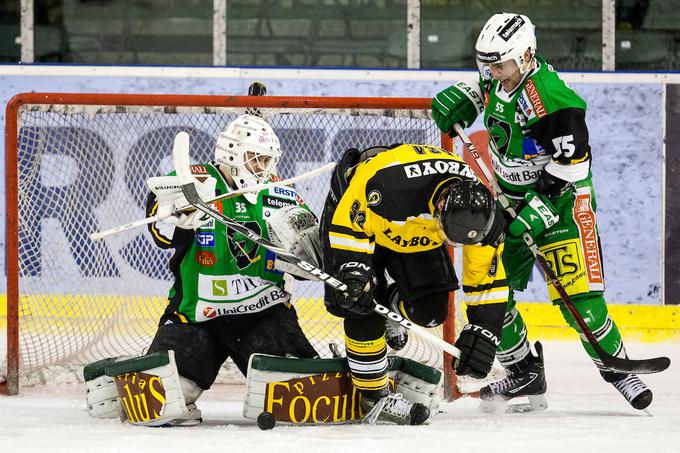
{"x": 198, "y": 170}
{"x": 584, "y": 216}
{"x": 205, "y": 239}
{"x": 535, "y": 98}
{"x": 244, "y": 251}
{"x": 205, "y": 258}
{"x": 285, "y": 192}
{"x": 270, "y": 258}
{"x": 276, "y": 202}
{"x": 209, "y": 312}
{"x": 374, "y": 198}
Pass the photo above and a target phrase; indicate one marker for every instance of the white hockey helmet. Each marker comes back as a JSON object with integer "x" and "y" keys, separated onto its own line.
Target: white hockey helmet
{"x": 504, "y": 37}
{"x": 250, "y": 149}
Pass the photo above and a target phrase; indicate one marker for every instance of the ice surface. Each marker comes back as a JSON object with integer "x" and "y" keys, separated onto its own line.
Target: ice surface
{"x": 585, "y": 415}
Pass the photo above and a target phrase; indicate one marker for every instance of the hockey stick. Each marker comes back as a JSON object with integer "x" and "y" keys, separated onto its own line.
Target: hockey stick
{"x": 180, "y": 154}
{"x": 622, "y": 365}
{"x": 255, "y": 188}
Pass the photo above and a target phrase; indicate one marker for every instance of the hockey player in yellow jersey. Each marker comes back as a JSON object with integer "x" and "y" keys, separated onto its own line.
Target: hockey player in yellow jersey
{"x": 393, "y": 210}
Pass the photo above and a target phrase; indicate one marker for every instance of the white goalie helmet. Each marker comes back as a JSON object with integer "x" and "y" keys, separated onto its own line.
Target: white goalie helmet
{"x": 250, "y": 149}
{"x": 504, "y": 37}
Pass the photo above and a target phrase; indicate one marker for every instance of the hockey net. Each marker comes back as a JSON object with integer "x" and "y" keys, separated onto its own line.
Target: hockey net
{"x": 78, "y": 163}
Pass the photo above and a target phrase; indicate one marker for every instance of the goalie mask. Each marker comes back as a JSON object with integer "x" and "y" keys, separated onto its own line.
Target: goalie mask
{"x": 250, "y": 149}
{"x": 505, "y": 37}
{"x": 467, "y": 214}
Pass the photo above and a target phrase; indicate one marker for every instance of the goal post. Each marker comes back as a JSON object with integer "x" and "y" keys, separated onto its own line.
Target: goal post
{"x": 77, "y": 163}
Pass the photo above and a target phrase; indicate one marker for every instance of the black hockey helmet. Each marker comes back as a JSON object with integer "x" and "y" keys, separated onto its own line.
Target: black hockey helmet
{"x": 467, "y": 213}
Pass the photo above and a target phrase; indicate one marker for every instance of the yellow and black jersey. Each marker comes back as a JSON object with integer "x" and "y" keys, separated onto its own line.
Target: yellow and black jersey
{"x": 390, "y": 200}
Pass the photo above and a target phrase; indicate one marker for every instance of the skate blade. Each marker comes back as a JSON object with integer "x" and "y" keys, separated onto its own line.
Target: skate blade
{"x": 533, "y": 403}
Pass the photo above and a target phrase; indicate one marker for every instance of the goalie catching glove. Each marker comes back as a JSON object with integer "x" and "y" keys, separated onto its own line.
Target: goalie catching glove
{"x": 168, "y": 191}
{"x": 296, "y": 230}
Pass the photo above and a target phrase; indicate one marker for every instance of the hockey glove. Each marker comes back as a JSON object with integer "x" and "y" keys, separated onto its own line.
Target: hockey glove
{"x": 360, "y": 280}
{"x": 537, "y": 215}
{"x": 460, "y": 103}
{"x": 169, "y": 195}
{"x": 550, "y": 185}
{"x": 477, "y": 344}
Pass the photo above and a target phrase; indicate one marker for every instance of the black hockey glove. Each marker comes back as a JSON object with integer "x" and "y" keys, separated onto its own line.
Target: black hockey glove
{"x": 360, "y": 280}
{"x": 477, "y": 344}
{"x": 549, "y": 185}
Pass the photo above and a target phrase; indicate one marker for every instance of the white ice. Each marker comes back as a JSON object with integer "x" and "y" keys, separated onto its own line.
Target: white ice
{"x": 585, "y": 415}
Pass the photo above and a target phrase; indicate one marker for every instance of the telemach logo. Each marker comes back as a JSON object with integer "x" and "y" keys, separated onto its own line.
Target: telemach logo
{"x": 511, "y": 27}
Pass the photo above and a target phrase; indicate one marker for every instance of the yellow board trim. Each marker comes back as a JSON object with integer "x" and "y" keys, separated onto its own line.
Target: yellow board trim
{"x": 639, "y": 323}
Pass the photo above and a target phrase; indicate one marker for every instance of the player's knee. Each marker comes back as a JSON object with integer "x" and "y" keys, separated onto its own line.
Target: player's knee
{"x": 429, "y": 311}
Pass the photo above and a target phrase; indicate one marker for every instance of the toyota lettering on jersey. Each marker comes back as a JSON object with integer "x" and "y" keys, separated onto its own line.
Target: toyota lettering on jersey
{"x": 222, "y": 295}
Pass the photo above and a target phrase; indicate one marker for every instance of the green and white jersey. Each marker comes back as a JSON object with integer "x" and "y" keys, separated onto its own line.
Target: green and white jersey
{"x": 219, "y": 272}
{"x": 540, "y": 125}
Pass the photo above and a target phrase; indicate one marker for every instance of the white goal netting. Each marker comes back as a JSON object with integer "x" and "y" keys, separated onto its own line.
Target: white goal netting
{"x": 83, "y": 168}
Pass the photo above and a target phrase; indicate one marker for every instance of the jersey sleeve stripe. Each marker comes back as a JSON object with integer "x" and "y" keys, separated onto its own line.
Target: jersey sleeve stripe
{"x": 347, "y": 231}
{"x": 342, "y": 242}
{"x": 490, "y": 297}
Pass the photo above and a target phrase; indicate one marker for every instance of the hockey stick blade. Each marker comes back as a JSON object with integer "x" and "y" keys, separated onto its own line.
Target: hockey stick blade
{"x": 622, "y": 365}
{"x": 180, "y": 157}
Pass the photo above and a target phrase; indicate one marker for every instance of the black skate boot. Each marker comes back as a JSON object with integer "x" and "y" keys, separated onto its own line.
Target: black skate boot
{"x": 383, "y": 405}
{"x": 525, "y": 379}
{"x": 396, "y": 336}
{"x": 631, "y": 387}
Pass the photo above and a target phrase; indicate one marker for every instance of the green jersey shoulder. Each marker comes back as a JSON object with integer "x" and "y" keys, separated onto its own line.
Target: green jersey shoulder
{"x": 540, "y": 124}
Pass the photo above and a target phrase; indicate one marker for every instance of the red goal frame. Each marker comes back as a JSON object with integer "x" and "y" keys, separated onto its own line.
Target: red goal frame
{"x": 11, "y": 386}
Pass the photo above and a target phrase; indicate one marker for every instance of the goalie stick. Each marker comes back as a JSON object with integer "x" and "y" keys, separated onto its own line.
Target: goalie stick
{"x": 180, "y": 154}
{"x": 255, "y": 188}
{"x": 621, "y": 365}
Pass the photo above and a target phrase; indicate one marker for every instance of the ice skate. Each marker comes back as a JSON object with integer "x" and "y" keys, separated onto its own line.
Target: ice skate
{"x": 631, "y": 387}
{"x": 393, "y": 408}
{"x": 524, "y": 379}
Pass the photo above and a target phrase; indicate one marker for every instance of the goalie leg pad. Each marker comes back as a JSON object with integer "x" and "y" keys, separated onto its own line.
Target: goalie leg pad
{"x": 101, "y": 394}
{"x": 318, "y": 391}
{"x": 149, "y": 389}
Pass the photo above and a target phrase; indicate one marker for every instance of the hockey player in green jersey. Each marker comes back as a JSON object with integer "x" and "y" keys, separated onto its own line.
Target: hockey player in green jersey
{"x": 541, "y": 159}
{"x": 228, "y": 299}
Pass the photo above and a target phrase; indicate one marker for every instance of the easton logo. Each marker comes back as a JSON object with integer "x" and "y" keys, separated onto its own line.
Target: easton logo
{"x": 511, "y": 27}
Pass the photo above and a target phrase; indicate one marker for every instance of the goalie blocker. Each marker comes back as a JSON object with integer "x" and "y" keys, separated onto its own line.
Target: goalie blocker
{"x": 320, "y": 391}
